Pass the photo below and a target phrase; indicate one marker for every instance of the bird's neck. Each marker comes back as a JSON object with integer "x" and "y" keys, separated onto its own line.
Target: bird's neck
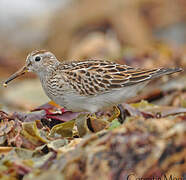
{"x": 48, "y": 70}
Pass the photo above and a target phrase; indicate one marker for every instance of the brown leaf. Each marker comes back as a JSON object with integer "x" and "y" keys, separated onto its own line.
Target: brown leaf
{"x": 31, "y": 136}
{"x": 98, "y": 124}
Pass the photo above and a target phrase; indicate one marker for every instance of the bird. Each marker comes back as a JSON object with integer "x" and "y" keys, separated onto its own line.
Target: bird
{"x": 87, "y": 85}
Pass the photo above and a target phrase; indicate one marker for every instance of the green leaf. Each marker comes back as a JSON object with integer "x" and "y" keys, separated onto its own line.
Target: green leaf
{"x": 114, "y": 124}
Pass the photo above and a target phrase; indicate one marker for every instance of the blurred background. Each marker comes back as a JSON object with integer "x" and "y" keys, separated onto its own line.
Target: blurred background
{"x": 140, "y": 33}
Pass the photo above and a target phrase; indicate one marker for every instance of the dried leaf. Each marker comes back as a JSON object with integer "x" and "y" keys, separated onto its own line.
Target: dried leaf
{"x": 5, "y": 150}
{"x": 29, "y": 117}
{"x": 47, "y": 175}
{"x": 56, "y": 144}
{"x": 164, "y": 111}
{"x": 81, "y": 123}
{"x": 64, "y": 129}
{"x": 31, "y": 136}
{"x": 97, "y": 124}
{"x": 55, "y": 112}
{"x": 115, "y": 114}
{"x": 132, "y": 111}
{"x": 6, "y": 127}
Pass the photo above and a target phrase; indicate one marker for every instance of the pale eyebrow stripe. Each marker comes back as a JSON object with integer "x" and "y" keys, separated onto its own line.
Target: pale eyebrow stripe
{"x": 38, "y": 52}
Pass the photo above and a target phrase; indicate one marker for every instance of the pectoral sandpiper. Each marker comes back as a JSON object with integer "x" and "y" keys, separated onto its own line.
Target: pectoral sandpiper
{"x": 88, "y": 85}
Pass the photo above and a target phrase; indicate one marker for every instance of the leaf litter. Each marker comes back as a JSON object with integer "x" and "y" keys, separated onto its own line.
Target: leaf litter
{"x": 151, "y": 142}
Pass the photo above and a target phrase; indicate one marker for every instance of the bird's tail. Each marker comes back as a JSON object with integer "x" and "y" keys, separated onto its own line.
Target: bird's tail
{"x": 165, "y": 71}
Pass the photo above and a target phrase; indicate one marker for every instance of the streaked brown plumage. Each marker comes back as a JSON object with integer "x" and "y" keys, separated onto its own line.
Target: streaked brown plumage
{"x": 88, "y": 85}
{"x": 97, "y": 76}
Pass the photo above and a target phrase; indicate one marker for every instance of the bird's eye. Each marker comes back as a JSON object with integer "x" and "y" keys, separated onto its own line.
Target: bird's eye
{"x": 37, "y": 58}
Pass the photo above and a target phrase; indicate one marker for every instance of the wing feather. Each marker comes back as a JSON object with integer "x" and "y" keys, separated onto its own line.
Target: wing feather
{"x": 93, "y": 77}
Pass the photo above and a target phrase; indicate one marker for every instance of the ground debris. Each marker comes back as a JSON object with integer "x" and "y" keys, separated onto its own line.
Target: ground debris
{"x": 143, "y": 146}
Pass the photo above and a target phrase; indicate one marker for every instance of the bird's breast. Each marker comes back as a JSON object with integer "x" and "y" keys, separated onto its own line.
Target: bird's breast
{"x": 56, "y": 89}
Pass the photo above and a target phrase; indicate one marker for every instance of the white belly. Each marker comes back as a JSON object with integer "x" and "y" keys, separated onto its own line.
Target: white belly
{"x": 76, "y": 103}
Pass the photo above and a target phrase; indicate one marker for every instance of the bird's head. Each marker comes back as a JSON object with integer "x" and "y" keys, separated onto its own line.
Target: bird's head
{"x": 38, "y": 62}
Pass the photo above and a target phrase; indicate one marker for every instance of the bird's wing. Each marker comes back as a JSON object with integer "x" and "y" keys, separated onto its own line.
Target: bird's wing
{"x": 97, "y": 76}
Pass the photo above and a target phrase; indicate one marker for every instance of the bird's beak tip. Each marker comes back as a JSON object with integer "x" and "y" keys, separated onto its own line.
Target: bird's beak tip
{"x": 4, "y": 85}
{"x": 20, "y": 72}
